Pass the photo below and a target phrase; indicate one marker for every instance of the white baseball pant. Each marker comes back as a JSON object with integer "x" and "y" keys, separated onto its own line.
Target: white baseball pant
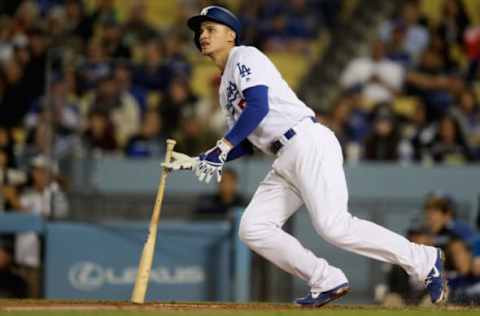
{"x": 309, "y": 170}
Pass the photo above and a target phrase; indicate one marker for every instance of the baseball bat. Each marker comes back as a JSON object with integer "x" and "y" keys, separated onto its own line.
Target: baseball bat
{"x": 145, "y": 265}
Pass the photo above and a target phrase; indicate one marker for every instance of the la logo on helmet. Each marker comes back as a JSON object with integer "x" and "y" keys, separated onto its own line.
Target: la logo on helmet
{"x": 205, "y": 11}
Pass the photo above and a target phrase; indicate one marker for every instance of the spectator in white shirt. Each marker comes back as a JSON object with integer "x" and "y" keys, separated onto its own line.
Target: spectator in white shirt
{"x": 380, "y": 78}
{"x": 45, "y": 198}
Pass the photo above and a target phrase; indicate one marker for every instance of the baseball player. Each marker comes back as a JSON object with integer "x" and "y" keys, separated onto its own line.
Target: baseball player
{"x": 263, "y": 111}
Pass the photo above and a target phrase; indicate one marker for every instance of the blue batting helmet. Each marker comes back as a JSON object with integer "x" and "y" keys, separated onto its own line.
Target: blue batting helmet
{"x": 216, "y": 14}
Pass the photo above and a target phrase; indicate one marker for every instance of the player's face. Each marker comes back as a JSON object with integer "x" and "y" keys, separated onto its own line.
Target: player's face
{"x": 215, "y": 37}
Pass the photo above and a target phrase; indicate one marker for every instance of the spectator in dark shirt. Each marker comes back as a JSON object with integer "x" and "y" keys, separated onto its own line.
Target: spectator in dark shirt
{"x": 112, "y": 40}
{"x": 464, "y": 284}
{"x": 12, "y": 285}
{"x": 99, "y": 138}
{"x": 449, "y": 145}
{"x": 153, "y": 73}
{"x": 454, "y": 22}
{"x": 220, "y": 204}
{"x": 440, "y": 219}
{"x": 382, "y": 143}
{"x": 179, "y": 100}
{"x": 14, "y": 102}
{"x": 150, "y": 141}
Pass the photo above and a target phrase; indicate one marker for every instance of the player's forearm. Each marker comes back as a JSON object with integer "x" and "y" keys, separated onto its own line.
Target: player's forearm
{"x": 255, "y": 111}
{"x": 242, "y": 149}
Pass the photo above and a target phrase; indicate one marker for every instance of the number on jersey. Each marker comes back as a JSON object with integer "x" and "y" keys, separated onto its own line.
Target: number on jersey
{"x": 244, "y": 70}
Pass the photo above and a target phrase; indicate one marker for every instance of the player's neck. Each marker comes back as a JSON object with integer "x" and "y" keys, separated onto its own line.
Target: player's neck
{"x": 220, "y": 57}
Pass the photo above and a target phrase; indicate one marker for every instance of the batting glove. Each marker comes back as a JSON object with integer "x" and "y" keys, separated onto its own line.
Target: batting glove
{"x": 212, "y": 161}
{"x": 180, "y": 161}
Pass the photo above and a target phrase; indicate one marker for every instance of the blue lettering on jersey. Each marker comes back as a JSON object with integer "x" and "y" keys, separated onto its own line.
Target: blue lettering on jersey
{"x": 244, "y": 70}
{"x": 232, "y": 94}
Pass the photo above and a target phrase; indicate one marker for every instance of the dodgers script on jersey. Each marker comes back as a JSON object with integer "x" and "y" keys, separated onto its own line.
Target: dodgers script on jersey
{"x": 248, "y": 67}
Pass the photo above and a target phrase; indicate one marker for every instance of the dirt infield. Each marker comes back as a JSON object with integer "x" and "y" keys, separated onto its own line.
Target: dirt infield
{"x": 53, "y": 305}
{"x": 78, "y": 305}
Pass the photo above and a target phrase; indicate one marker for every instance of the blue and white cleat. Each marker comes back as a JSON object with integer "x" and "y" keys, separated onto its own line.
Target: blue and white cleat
{"x": 436, "y": 282}
{"x": 318, "y": 299}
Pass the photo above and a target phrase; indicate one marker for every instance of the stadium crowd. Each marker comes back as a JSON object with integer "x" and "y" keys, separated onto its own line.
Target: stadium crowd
{"x": 80, "y": 82}
{"x": 414, "y": 97}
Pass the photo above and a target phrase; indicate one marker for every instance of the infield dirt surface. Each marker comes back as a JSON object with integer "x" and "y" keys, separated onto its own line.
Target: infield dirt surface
{"x": 107, "y": 308}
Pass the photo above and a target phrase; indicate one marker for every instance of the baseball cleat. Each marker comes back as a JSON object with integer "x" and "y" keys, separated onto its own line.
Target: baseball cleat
{"x": 318, "y": 299}
{"x": 436, "y": 282}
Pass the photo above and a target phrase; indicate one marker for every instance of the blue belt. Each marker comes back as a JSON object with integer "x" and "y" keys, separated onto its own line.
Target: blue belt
{"x": 276, "y": 145}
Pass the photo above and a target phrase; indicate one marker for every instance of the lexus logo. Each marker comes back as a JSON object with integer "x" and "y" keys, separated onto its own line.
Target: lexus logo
{"x": 91, "y": 276}
{"x": 86, "y": 276}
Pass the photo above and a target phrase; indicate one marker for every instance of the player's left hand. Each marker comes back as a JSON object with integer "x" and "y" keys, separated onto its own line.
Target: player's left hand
{"x": 211, "y": 162}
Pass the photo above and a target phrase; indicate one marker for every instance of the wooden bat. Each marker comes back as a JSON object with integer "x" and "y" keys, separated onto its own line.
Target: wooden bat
{"x": 145, "y": 265}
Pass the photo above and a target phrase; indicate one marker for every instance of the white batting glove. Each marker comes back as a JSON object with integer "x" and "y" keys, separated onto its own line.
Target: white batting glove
{"x": 180, "y": 161}
{"x": 211, "y": 162}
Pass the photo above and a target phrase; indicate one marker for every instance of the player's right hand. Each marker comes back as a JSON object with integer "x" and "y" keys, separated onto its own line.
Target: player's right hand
{"x": 180, "y": 161}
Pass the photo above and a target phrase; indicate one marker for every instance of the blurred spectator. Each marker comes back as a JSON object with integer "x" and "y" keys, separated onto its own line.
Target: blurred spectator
{"x": 56, "y": 25}
{"x": 449, "y": 145}
{"x": 220, "y": 204}
{"x": 14, "y": 103}
{"x": 34, "y": 76}
{"x": 395, "y": 47}
{"x": 112, "y": 40}
{"x": 463, "y": 283}
{"x": 338, "y": 118}
{"x": 121, "y": 106}
{"x": 7, "y": 146}
{"x": 179, "y": 100}
{"x": 454, "y": 22}
{"x": 383, "y": 142}
{"x": 137, "y": 28}
{"x": 96, "y": 65}
{"x": 104, "y": 11}
{"x": 430, "y": 82}
{"x": 12, "y": 285}
{"x": 99, "y": 136}
{"x": 77, "y": 23}
{"x": 360, "y": 116}
{"x": 192, "y": 138}
{"x": 27, "y": 14}
{"x": 401, "y": 289}
{"x": 420, "y": 133}
{"x": 416, "y": 35}
{"x": 153, "y": 73}
{"x": 467, "y": 114}
{"x": 379, "y": 78}
{"x": 61, "y": 113}
{"x": 125, "y": 85}
{"x": 150, "y": 141}
{"x": 442, "y": 222}
{"x": 288, "y": 26}
{"x": 43, "y": 197}
{"x": 10, "y": 180}
{"x": 248, "y": 13}
{"x": 209, "y": 111}
{"x": 178, "y": 64}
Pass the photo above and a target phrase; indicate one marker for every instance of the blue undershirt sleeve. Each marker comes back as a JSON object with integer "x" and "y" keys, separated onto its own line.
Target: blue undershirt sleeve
{"x": 256, "y": 109}
{"x": 242, "y": 149}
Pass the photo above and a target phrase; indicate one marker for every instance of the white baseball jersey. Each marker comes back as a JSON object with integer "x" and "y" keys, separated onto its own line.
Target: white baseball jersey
{"x": 248, "y": 67}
